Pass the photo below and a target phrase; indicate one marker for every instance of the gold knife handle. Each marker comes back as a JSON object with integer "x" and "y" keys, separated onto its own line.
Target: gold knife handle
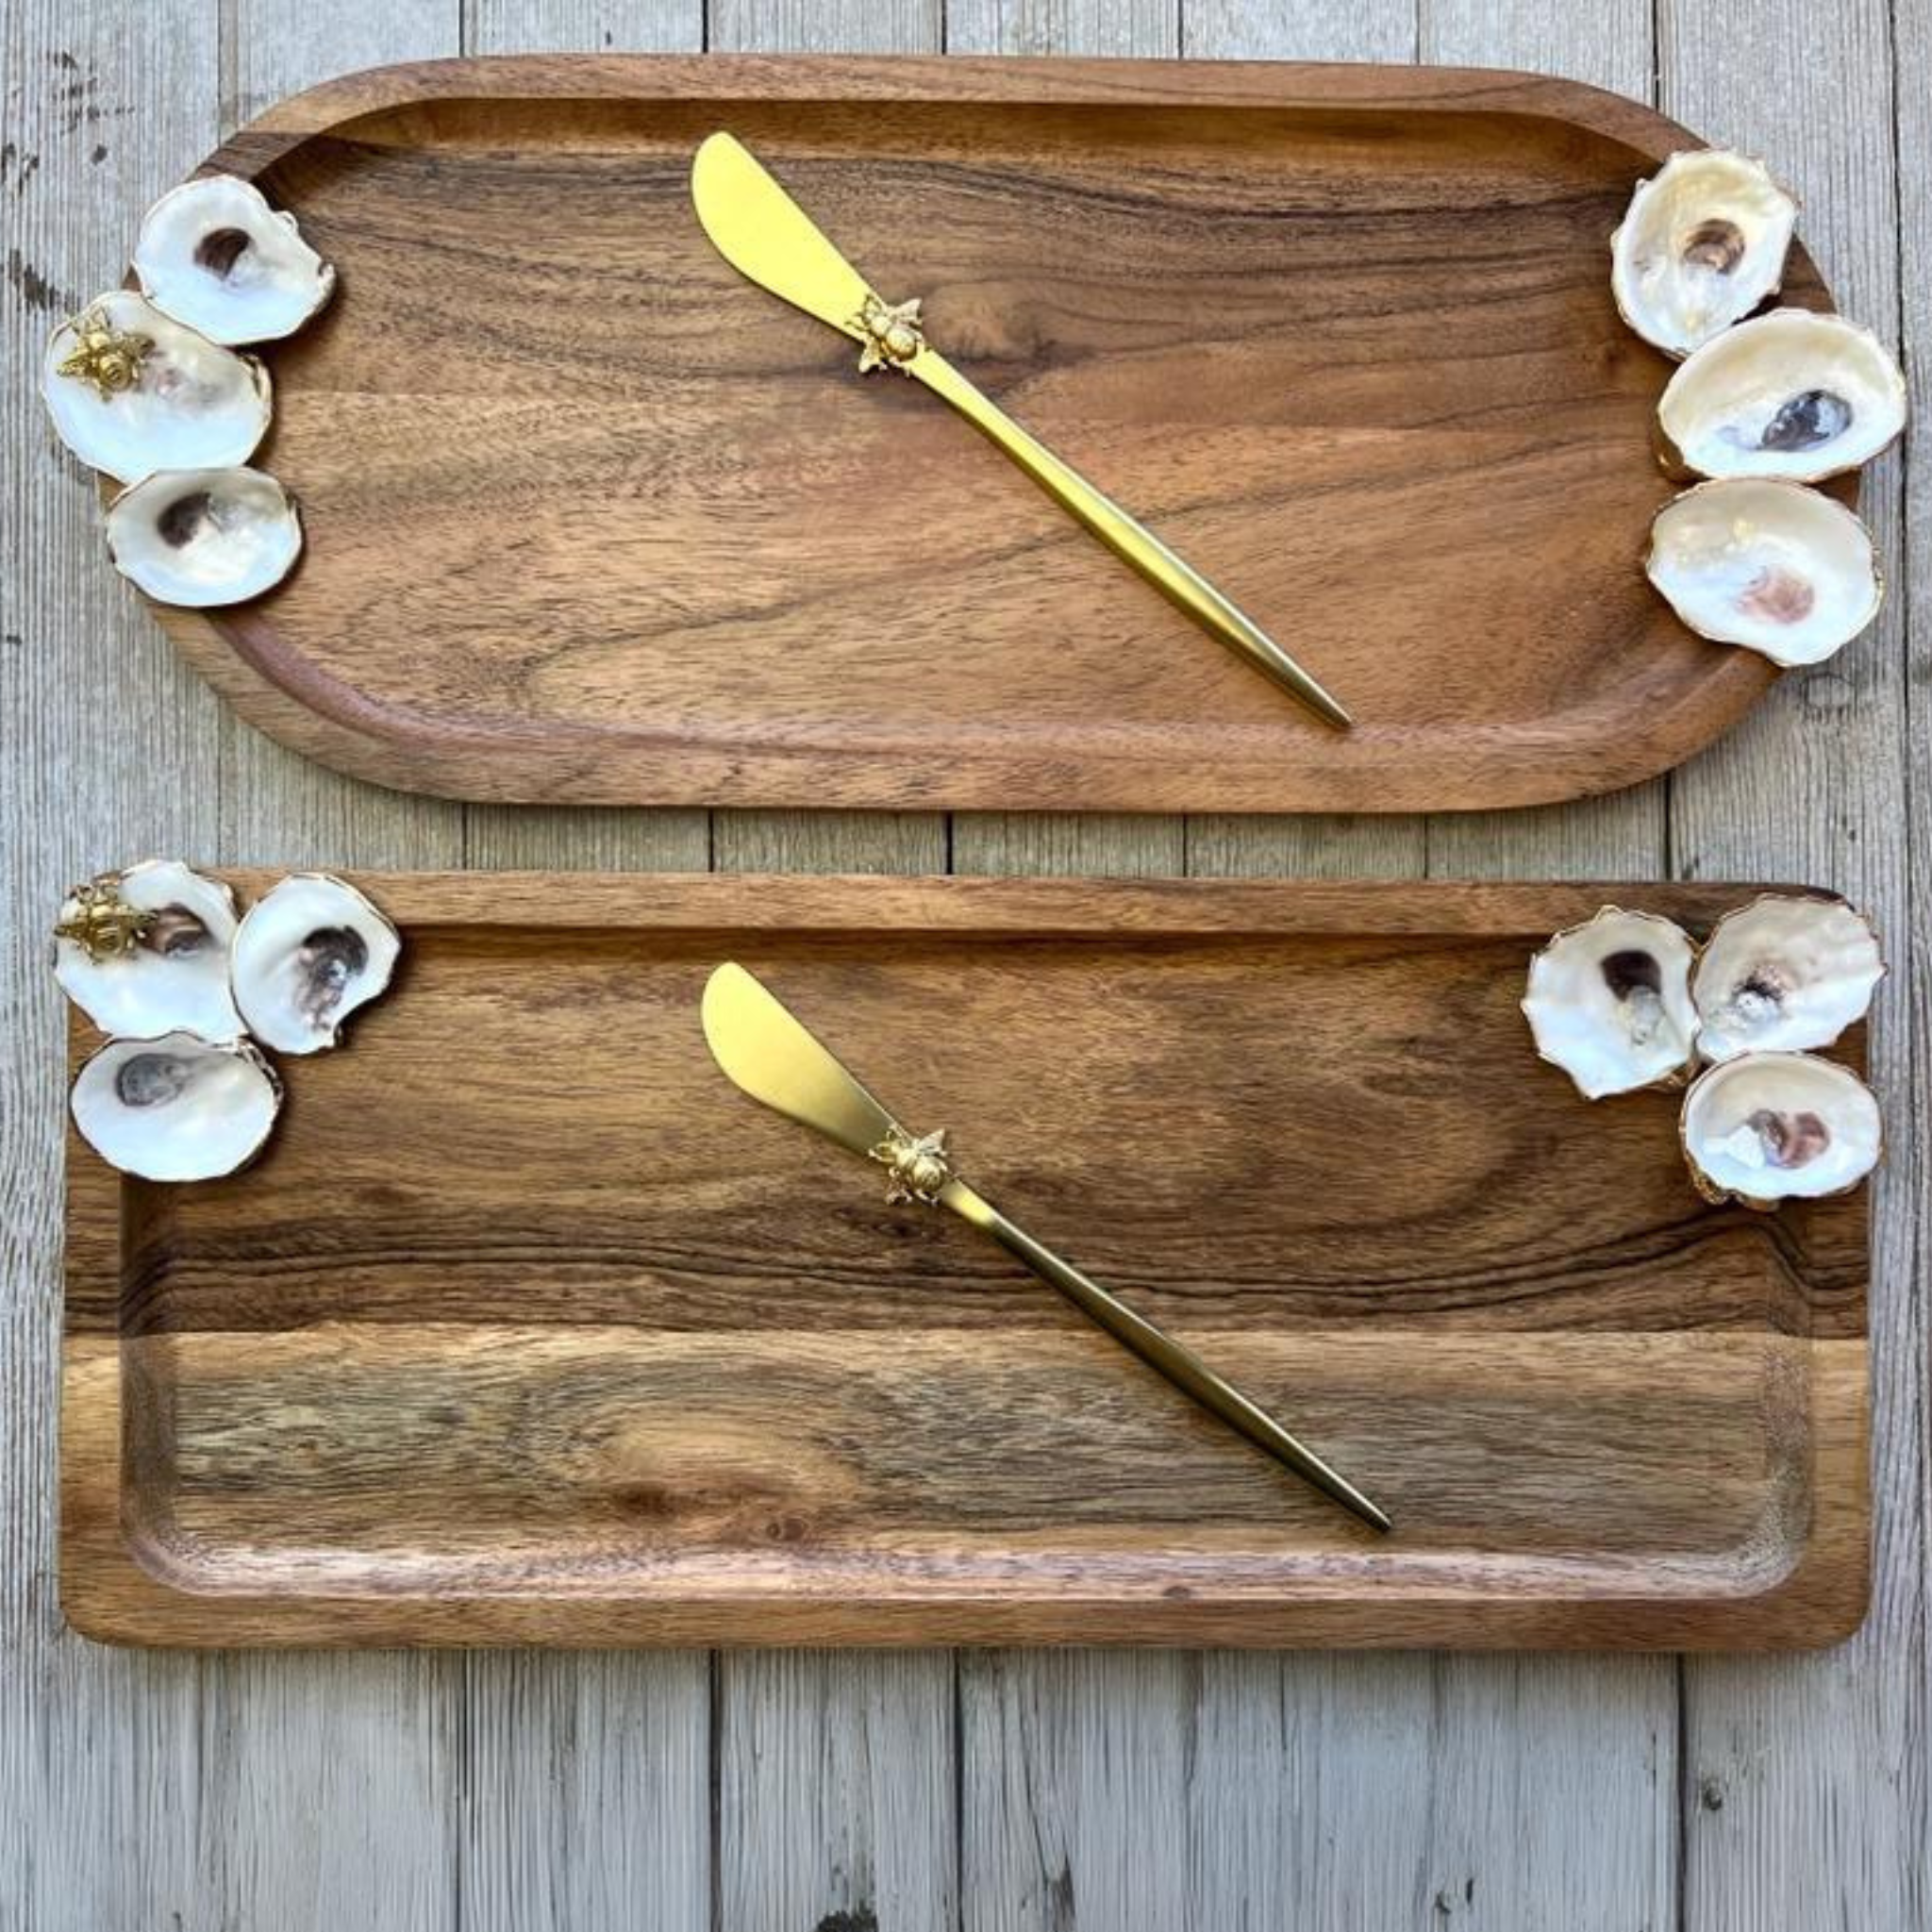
{"x": 1131, "y": 540}
{"x": 1161, "y": 1351}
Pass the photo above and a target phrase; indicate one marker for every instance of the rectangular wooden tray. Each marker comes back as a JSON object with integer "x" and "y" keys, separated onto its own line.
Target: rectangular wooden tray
{"x": 591, "y": 518}
{"x": 529, "y": 1327}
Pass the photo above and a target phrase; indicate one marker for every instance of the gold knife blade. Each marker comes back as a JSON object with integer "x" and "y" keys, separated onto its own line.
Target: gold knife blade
{"x": 770, "y": 239}
{"x": 770, "y": 1054}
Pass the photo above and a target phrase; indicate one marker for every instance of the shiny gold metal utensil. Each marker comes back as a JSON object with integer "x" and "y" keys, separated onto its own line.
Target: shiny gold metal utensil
{"x": 766, "y": 236}
{"x": 769, "y": 1053}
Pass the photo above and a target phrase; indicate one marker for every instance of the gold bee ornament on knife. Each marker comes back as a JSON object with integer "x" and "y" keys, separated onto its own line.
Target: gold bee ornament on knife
{"x": 768, "y": 1052}
{"x": 769, "y": 238}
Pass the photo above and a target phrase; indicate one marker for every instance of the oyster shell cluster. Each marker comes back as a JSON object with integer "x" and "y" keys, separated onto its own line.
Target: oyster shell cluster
{"x": 190, "y": 991}
{"x": 1762, "y": 405}
{"x": 1628, "y": 1000}
{"x": 150, "y": 388}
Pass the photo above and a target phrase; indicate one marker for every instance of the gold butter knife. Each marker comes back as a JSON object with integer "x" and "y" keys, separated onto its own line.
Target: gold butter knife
{"x": 766, "y": 236}
{"x": 770, "y": 1054}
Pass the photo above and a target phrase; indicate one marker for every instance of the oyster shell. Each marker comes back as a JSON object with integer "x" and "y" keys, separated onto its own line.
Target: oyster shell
{"x": 157, "y": 962}
{"x": 1788, "y": 394}
{"x": 1702, "y": 244}
{"x": 177, "y": 1108}
{"x": 132, "y": 390}
{"x": 1609, "y": 1002}
{"x": 1784, "y": 973}
{"x": 1767, "y": 1128}
{"x": 200, "y": 538}
{"x": 307, "y": 956}
{"x": 1768, "y": 564}
{"x": 214, "y": 254}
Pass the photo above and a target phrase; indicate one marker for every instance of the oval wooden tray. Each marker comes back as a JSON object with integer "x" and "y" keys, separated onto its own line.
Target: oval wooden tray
{"x": 566, "y": 1341}
{"x": 592, "y": 519}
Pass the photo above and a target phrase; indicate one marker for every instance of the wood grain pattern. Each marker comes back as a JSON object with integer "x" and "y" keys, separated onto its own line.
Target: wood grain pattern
{"x": 384, "y": 1382}
{"x": 836, "y": 1770}
{"x": 1410, "y": 420}
{"x": 587, "y": 1777}
{"x": 1322, "y": 1789}
{"x": 1130, "y": 1790}
{"x": 103, "y": 108}
{"x": 1277, "y": 1797}
{"x": 346, "y": 1817}
{"x": 1820, "y": 780}
{"x": 1521, "y": 1747}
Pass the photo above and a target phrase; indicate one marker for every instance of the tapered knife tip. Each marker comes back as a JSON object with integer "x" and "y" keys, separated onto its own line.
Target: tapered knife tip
{"x": 710, "y": 152}
{"x": 1328, "y": 707}
{"x": 724, "y": 980}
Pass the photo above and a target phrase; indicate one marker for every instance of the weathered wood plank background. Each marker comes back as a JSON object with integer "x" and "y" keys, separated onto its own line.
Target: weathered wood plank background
{"x": 784, "y": 1793}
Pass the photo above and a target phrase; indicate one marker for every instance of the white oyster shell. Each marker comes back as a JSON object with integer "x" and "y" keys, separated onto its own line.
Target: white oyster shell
{"x": 1782, "y": 973}
{"x": 1702, "y": 244}
{"x": 214, "y": 254}
{"x": 1609, "y": 1002}
{"x": 177, "y": 1107}
{"x": 1768, "y": 564}
{"x": 200, "y": 538}
{"x": 195, "y": 405}
{"x": 175, "y": 978}
{"x": 1788, "y": 394}
{"x": 307, "y": 956}
{"x": 1773, "y": 1126}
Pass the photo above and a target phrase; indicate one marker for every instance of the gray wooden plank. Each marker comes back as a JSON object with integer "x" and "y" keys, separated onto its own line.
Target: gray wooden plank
{"x": 1805, "y": 1797}
{"x": 322, "y": 1791}
{"x": 1126, "y": 844}
{"x": 835, "y": 1791}
{"x": 1528, "y": 1746}
{"x": 1076, "y": 1775}
{"x": 1906, "y": 1432}
{"x": 327, "y": 1785}
{"x": 825, "y": 26}
{"x": 1112, "y": 30}
{"x": 835, "y": 1770}
{"x": 586, "y": 1786}
{"x": 880, "y": 842}
{"x": 536, "y": 838}
{"x": 1321, "y": 30}
{"x": 585, "y": 1779}
{"x": 584, "y": 26}
{"x": 97, "y": 1760}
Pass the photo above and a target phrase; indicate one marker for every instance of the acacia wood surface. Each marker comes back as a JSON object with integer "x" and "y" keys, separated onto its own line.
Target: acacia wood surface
{"x": 1344, "y": 333}
{"x": 568, "y": 1341}
{"x": 1126, "y": 1789}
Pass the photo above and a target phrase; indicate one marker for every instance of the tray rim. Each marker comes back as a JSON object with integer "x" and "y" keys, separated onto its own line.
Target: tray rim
{"x": 114, "y": 1591}
{"x": 312, "y": 712}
